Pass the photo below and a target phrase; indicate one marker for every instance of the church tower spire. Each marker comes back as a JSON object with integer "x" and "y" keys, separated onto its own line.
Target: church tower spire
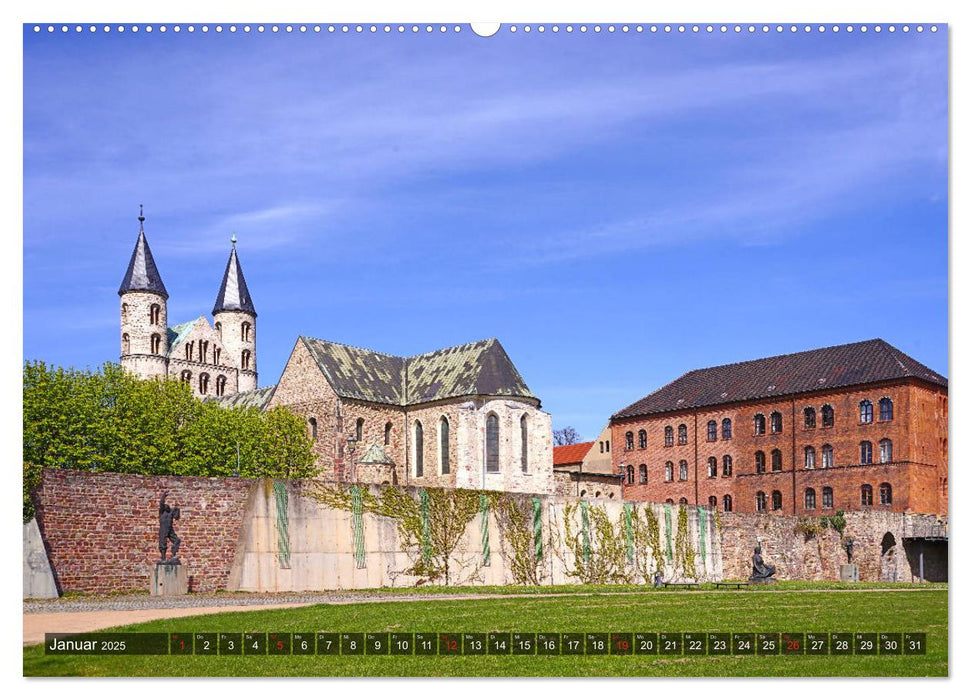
{"x": 234, "y": 318}
{"x": 144, "y": 312}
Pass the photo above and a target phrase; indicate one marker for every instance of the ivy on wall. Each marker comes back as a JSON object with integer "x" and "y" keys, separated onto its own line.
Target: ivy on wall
{"x": 684, "y": 551}
{"x": 599, "y": 554}
{"x": 516, "y": 517}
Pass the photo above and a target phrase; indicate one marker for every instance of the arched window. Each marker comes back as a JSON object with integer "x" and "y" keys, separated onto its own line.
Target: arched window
{"x": 215, "y": 356}
{"x": 124, "y": 313}
{"x": 760, "y": 462}
{"x": 443, "y": 447}
{"x": 777, "y": 460}
{"x": 886, "y": 409}
{"x": 866, "y": 495}
{"x": 827, "y": 497}
{"x": 244, "y": 330}
{"x": 712, "y": 431}
{"x": 387, "y": 433}
{"x": 727, "y": 465}
{"x": 203, "y": 383}
{"x": 827, "y": 456}
{"x": 759, "y": 424}
{"x": 156, "y": 343}
{"x": 809, "y": 417}
{"x": 219, "y": 329}
{"x": 683, "y": 501}
{"x": 810, "y": 499}
{"x": 492, "y": 443}
{"x": 186, "y": 376}
{"x": 866, "y": 452}
{"x": 712, "y": 467}
{"x": 777, "y": 500}
{"x": 154, "y": 314}
{"x": 669, "y": 471}
{"x": 125, "y": 344}
{"x": 630, "y": 474}
{"x": 188, "y": 350}
{"x": 810, "y": 457}
{"x": 601, "y": 447}
{"x": 828, "y": 416}
{"x": 682, "y": 470}
{"x": 727, "y": 503}
{"x": 220, "y": 385}
{"x": 524, "y": 443}
{"x": 419, "y": 449}
{"x": 643, "y": 473}
{"x": 244, "y": 359}
{"x": 761, "y": 502}
{"x": 726, "y": 429}
{"x": 682, "y": 434}
{"x": 713, "y": 502}
{"x": 359, "y": 430}
{"x": 886, "y": 451}
{"x": 629, "y": 440}
{"x": 312, "y": 422}
{"x": 886, "y": 494}
{"x": 866, "y": 411}
{"x": 669, "y": 501}
{"x": 668, "y": 436}
{"x": 775, "y": 422}
{"x": 642, "y": 439}
{"x": 607, "y": 445}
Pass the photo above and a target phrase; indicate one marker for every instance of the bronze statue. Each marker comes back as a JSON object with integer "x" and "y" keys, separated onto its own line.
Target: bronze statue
{"x": 166, "y": 516}
{"x": 761, "y": 572}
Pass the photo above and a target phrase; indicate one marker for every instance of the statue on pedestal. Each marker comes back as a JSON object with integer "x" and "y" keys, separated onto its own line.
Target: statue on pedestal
{"x": 761, "y": 572}
{"x": 166, "y": 532}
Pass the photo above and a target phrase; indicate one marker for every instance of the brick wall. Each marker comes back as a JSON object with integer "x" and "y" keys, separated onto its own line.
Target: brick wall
{"x": 101, "y": 529}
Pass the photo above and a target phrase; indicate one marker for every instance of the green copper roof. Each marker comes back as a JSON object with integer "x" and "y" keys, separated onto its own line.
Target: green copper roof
{"x": 473, "y": 369}
{"x": 176, "y": 334}
{"x": 375, "y": 455}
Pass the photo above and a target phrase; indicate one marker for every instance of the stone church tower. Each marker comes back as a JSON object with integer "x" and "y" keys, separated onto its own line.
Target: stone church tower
{"x": 215, "y": 360}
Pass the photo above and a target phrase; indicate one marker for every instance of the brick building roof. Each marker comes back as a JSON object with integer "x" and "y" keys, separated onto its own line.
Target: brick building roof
{"x": 255, "y": 398}
{"x": 813, "y": 370}
{"x": 475, "y": 369}
{"x": 570, "y": 454}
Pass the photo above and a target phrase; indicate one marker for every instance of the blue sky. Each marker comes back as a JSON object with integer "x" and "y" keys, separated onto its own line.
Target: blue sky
{"x": 616, "y": 209}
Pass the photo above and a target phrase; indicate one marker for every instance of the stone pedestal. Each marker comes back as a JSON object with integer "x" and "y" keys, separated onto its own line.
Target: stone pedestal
{"x": 169, "y": 580}
{"x": 849, "y": 572}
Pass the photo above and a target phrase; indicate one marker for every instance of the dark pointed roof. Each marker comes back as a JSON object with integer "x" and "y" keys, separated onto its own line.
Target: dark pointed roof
{"x": 865, "y": 362}
{"x": 142, "y": 274}
{"x": 233, "y": 292}
{"x": 475, "y": 369}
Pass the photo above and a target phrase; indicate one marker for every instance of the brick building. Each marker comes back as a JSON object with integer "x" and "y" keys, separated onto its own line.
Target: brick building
{"x": 585, "y": 470}
{"x": 850, "y": 427}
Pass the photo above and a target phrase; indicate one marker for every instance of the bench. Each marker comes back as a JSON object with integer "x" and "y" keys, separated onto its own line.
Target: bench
{"x": 738, "y": 585}
{"x": 668, "y": 584}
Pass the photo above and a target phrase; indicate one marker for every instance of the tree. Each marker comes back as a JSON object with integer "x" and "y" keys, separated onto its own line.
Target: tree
{"x": 566, "y": 436}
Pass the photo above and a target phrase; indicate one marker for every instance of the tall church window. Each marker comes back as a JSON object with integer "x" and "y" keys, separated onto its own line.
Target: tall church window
{"x": 245, "y": 330}
{"x": 419, "y": 450}
{"x": 154, "y": 314}
{"x": 219, "y": 329}
{"x": 203, "y": 383}
{"x": 124, "y": 313}
{"x": 203, "y": 350}
{"x": 387, "y": 433}
{"x": 829, "y": 417}
{"x": 359, "y": 430}
{"x": 188, "y": 351}
{"x": 492, "y": 443}
{"x": 156, "y": 343}
{"x": 524, "y": 443}
{"x": 682, "y": 434}
{"x": 244, "y": 359}
{"x": 215, "y": 356}
{"x": 220, "y": 385}
{"x": 886, "y": 409}
{"x": 125, "y": 344}
{"x": 313, "y": 428}
{"x": 443, "y": 445}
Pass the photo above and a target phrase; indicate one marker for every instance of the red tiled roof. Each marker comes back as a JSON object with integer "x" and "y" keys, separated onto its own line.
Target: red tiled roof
{"x": 570, "y": 454}
{"x": 827, "y": 368}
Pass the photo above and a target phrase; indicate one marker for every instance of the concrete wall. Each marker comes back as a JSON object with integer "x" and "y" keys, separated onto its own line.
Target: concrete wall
{"x": 38, "y": 577}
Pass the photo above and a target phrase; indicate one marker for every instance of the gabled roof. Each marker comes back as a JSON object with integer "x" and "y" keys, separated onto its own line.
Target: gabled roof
{"x": 177, "y": 334}
{"x": 233, "y": 292}
{"x": 255, "y": 398}
{"x": 570, "y": 454}
{"x": 813, "y": 370}
{"x": 480, "y": 368}
{"x": 374, "y": 454}
{"x": 142, "y": 274}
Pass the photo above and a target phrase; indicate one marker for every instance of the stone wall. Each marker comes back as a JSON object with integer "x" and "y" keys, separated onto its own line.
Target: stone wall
{"x": 101, "y": 530}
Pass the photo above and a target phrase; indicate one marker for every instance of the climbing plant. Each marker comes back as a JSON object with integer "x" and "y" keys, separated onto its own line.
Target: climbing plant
{"x": 648, "y": 555}
{"x": 515, "y": 517}
{"x": 684, "y": 551}
{"x": 605, "y": 559}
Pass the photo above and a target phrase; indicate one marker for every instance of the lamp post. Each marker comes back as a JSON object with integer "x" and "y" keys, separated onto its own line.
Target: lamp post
{"x": 351, "y": 446}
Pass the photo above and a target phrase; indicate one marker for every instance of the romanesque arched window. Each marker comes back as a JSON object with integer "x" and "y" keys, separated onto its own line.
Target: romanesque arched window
{"x": 669, "y": 471}
{"x": 188, "y": 350}
{"x": 642, "y": 439}
{"x": 886, "y": 451}
{"x": 628, "y": 440}
{"x": 643, "y": 473}
{"x": 759, "y": 462}
{"x": 203, "y": 350}
{"x": 827, "y": 456}
{"x": 713, "y": 502}
{"x": 215, "y": 356}
{"x": 866, "y": 452}
{"x": 727, "y": 465}
{"x": 683, "y": 501}
{"x": 866, "y": 495}
{"x": 387, "y": 433}
{"x": 712, "y": 431}
{"x": 220, "y": 385}
{"x": 492, "y": 443}
{"x": 727, "y": 503}
{"x": 827, "y": 497}
{"x": 630, "y": 474}
{"x": 683, "y": 470}
{"x": 829, "y": 416}
{"x": 759, "y": 424}
{"x": 777, "y": 500}
{"x": 777, "y": 460}
{"x": 775, "y": 422}
{"x": 443, "y": 447}
{"x": 726, "y": 429}
{"x": 203, "y": 383}
{"x": 156, "y": 343}
{"x": 244, "y": 330}
{"x": 866, "y": 411}
{"x": 244, "y": 360}
{"x": 125, "y": 344}
{"x": 809, "y": 417}
{"x": 886, "y": 409}
{"x": 761, "y": 502}
{"x": 154, "y": 314}
{"x": 668, "y": 436}
{"x": 886, "y": 494}
{"x": 186, "y": 376}
{"x": 524, "y": 442}
{"x": 312, "y": 423}
{"x": 219, "y": 329}
{"x": 809, "y": 457}
{"x": 359, "y": 429}
{"x": 124, "y": 313}
{"x": 810, "y": 500}
{"x": 682, "y": 434}
{"x": 419, "y": 450}
{"x": 712, "y": 467}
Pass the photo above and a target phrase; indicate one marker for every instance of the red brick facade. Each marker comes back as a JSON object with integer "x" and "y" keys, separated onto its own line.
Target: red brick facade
{"x": 916, "y": 471}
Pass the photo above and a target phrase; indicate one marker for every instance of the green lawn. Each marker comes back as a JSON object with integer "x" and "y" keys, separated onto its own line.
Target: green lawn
{"x": 817, "y": 610}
